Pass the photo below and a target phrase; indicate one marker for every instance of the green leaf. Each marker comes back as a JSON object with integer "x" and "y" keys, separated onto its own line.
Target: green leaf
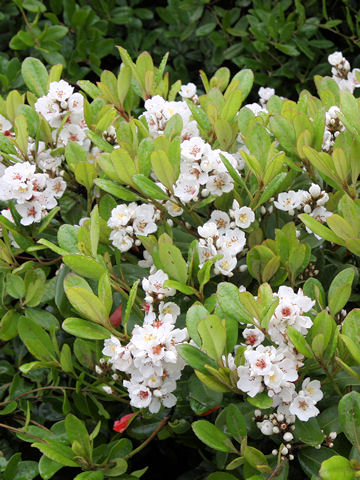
{"x": 261, "y": 400}
{"x": 257, "y": 459}
{"x": 85, "y": 174}
{"x": 94, "y": 230}
{"x": 97, "y": 475}
{"x": 37, "y": 341}
{"x": 76, "y": 431}
{"x": 35, "y": 76}
{"x": 130, "y": 301}
{"x": 349, "y": 416}
{"x": 229, "y": 300}
{"x": 85, "y": 329}
{"x": 321, "y": 230}
{"x": 117, "y": 190}
{"x": 15, "y": 286}
{"x": 200, "y": 397}
{"x": 351, "y": 325}
{"x": 212, "y": 436}
{"x": 57, "y": 452}
{"x": 310, "y": 459}
{"x": 195, "y": 357}
{"x": 149, "y": 188}
{"x": 86, "y": 266}
{"x": 163, "y": 168}
{"x": 181, "y": 287}
{"x": 172, "y": 262}
{"x": 309, "y": 432}
{"x": 335, "y": 468}
{"x": 272, "y": 188}
{"x": 299, "y": 342}
{"x": 213, "y": 336}
{"x": 236, "y": 423}
{"x": 74, "y": 154}
{"x": 194, "y": 315}
{"x": 340, "y": 290}
{"x": 87, "y": 304}
{"x": 48, "y": 468}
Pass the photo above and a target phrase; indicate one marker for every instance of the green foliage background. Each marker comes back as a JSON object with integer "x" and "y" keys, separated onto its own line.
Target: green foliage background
{"x": 284, "y": 42}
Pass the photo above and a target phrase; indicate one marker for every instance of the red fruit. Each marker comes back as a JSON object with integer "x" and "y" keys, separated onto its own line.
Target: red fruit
{"x": 122, "y": 424}
{"x": 115, "y": 318}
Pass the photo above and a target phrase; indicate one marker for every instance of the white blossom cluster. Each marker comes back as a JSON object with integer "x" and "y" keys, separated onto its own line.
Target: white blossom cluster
{"x": 34, "y": 193}
{"x": 222, "y": 235}
{"x": 333, "y": 128}
{"x": 153, "y": 286}
{"x": 342, "y": 73}
{"x": 265, "y": 93}
{"x": 128, "y": 221}
{"x": 202, "y": 171}
{"x": 150, "y": 359}
{"x": 60, "y": 105}
{"x": 158, "y": 112}
{"x": 275, "y": 369}
{"x": 311, "y": 202}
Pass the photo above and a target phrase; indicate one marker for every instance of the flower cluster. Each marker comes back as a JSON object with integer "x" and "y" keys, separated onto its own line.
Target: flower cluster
{"x": 342, "y": 75}
{"x": 265, "y": 94}
{"x": 63, "y": 109}
{"x": 222, "y": 235}
{"x": 159, "y": 111}
{"x": 275, "y": 369}
{"x": 151, "y": 359}
{"x": 311, "y": 202}
{"x": 153, "y": 286}
{"x": 202, "y": 172}
{"x": 333, "y": 128}
{"x": 34, "y": 193}
{"x": 128, "y": 221}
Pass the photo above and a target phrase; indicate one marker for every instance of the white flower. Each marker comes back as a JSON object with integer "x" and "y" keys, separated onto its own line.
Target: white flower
{"x": 60, "y": 91}
{"x": 253, "y": 336}
{"x": 265, "y": 94}
{"x": 225, "y": 265}
{"x": 192, "y": 149}
{"x": 312, "y": 389}
{"x": 56, "y": 186}
{"x": 303, "y": 407}
{"x": 121, "y": 240}
{"x": 243, "y": 217}
{"x": 31, "y": 212}
{"x": 252, "y": 385}
{"x": 188, "y": 90}
{"x": 219, "y": 183}
{"x": 209, "y": 229}
{"x": 221, "y": 219}
{"x": 154, "y": 284}
{"x": 232, "y": 242}
{"x": 140, "y": 395}
{"x": 288, "y": 201}
{"x": 173, "y": 208}
{"x": 335, "y": 58}
{"x": 121, "y": 215}
{"x": 186, "y": 188}
{"x": 5, "y": 125}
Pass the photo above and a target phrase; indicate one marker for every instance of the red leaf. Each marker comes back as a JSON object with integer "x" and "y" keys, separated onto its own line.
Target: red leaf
{"x": 115, "y": 318}
{"x": 122, "y": 424}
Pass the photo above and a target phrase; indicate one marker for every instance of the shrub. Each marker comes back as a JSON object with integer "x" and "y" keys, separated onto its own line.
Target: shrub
{"x": 282, "y": 42}
{"x": 167, "y": 256}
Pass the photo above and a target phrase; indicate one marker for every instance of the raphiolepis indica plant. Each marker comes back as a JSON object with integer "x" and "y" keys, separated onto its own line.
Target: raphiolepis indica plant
{"x": 169, "y": 254}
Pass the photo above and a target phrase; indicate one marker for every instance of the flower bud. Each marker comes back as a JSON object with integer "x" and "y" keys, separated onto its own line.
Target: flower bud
{"x": 288, "y": 437}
